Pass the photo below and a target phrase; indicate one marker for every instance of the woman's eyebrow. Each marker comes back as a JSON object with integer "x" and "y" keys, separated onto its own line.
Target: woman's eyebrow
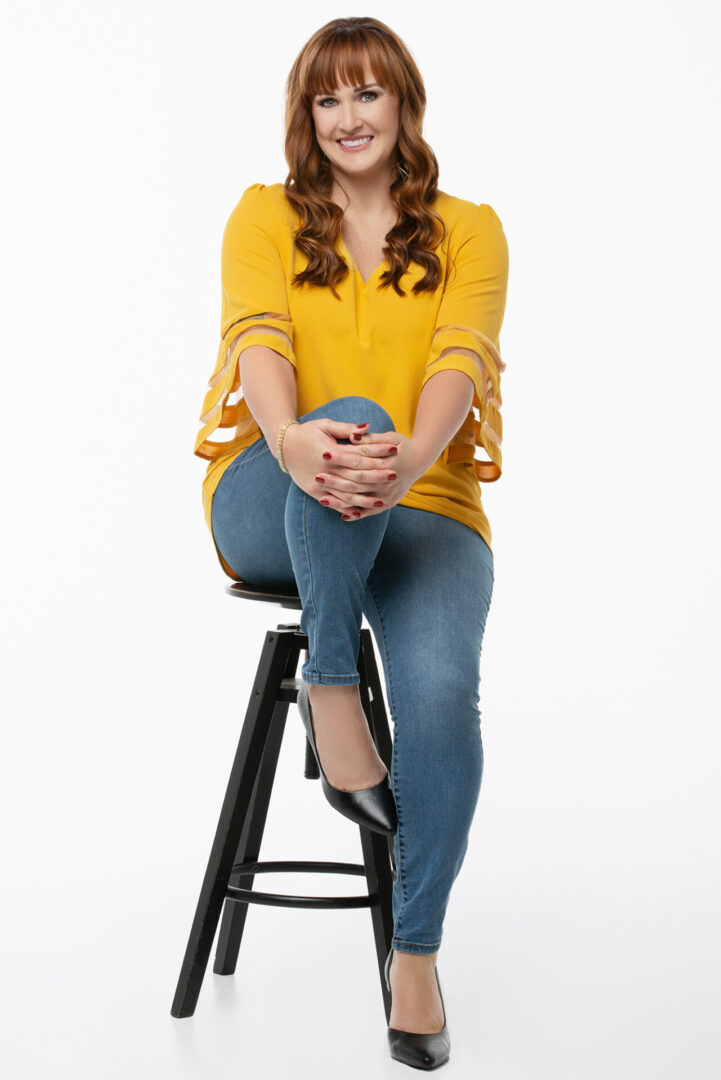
{"x": 358, "y": 88}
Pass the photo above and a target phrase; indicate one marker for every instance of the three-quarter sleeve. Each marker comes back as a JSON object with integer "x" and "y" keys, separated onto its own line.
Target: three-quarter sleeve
{"x": 467, "y": 332}
{"x": 254, "y": 312}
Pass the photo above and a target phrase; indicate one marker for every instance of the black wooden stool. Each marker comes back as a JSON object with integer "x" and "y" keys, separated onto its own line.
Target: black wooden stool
{"x": 234, "y": 861}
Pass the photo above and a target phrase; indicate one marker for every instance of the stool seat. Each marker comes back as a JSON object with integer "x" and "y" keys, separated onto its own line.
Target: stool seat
{"x": 234, "y": 861}
{"x": 287, "y": 598}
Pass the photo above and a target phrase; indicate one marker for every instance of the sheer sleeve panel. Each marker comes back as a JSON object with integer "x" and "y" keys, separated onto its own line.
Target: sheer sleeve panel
{"x": 254, "y": 312}
{"x": 467, "y": 334}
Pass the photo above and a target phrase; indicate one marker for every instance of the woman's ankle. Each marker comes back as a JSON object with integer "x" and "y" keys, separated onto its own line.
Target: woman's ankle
{"x": 413, "y": 959}
{"x": 341, "y": 701}
{"x": 341, "y": 691}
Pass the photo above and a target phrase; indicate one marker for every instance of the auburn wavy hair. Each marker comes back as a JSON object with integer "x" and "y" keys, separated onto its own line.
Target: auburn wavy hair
{"x": 335, "y": 55}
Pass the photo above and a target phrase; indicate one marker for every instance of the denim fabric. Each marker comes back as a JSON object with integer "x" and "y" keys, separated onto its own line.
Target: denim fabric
{"x": 424, "y": 583}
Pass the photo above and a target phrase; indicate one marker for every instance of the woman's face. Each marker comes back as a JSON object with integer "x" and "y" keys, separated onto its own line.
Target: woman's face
{"x": 353, "y": 112}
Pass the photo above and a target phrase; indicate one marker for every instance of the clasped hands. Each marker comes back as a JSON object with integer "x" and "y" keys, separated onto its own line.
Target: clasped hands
{"x": 366, "y": 477}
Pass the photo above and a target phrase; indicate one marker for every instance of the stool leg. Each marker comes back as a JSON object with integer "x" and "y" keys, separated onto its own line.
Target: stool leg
{"x": 235, "y": 912}
{"x": 256, "y": 726}
{"x": 373, "y": 704}
{"x": 375, "y": 711}
{"x": 377, "y": 849}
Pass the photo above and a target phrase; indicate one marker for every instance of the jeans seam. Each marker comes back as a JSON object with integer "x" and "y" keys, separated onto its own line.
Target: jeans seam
{"x": 416, "y": 944}
{"x": 396, "y": 750}
{"x": 311, "y": 597}
{"x": 350, "y": 675}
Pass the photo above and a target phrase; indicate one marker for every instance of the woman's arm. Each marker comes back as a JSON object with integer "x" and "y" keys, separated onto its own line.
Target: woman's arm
{"x": 269, "y": 388}
{"x": 444, "y": 404}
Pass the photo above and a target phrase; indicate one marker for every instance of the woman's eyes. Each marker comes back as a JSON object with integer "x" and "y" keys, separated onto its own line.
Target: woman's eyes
{"x": 365, "y": 93}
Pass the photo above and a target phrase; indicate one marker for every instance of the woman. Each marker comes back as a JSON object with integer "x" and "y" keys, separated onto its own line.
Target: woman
{"x": 361, "y": 313}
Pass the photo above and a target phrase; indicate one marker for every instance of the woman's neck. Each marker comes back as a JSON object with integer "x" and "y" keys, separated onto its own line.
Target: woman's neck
{"x": 364, "y": 197}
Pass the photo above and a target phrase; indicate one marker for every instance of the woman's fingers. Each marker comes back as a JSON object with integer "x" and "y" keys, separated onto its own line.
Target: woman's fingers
{"x": 364, "y": 438}
{"x": 341, "y": 429}
{"x": 346, "y": 502}
{"x": 355, "y": 479}
{"x": 368, "y": 449}
{"x": 361, "y": 457}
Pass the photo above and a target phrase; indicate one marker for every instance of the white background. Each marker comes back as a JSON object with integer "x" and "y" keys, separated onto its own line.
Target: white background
{"x": 582, "y": 936}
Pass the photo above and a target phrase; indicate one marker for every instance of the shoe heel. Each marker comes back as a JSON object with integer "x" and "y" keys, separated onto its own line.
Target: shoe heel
{"x": 387, "y": 969}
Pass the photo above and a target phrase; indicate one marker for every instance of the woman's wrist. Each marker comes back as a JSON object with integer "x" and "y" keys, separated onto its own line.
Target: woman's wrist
{"x": 280, "y": 441}
{"x": 422, "y": 453}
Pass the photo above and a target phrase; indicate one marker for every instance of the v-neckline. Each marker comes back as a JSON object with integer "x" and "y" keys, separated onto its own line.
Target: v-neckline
{"x": 379, "y": 267}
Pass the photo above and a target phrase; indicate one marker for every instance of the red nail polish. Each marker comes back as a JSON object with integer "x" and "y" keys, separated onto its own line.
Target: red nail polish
{"x": 355, "y": 435}
{"x": 345, "y": 517}
{"x": 320, "y": 479}
{"x": 391, "y": 476}
{"x": 364, "y": 424}
{"x": 393, "y": 450}
{"x": 326, "y": 455}
{"x": 324, "y": 502}
{"x": 379, "y": 503}
{"x": 356, "y": 513}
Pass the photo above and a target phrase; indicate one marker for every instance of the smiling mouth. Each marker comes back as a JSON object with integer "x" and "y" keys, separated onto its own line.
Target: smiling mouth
{"x": 365, "y": 139}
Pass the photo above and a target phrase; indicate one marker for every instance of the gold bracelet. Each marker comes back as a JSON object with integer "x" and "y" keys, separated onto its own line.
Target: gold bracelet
{"x": 280, "y": 442}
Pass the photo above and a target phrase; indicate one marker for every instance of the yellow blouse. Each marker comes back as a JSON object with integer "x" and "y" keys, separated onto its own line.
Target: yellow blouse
{"x": 371, "y": 342}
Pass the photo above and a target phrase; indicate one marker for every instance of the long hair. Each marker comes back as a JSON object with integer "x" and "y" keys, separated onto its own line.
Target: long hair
{"x": 332, "y": 56}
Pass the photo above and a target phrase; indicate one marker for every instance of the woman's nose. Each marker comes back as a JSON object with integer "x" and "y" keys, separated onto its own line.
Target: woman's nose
{"x": 349, "y": 120}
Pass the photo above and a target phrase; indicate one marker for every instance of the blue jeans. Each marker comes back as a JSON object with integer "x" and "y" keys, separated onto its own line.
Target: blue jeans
{"x": 424, "y": 583}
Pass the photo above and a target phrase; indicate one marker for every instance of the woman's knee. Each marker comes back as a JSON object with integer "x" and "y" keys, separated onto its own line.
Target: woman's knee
{"x": 444, "y": 698}
{"x": 355, "y": 409}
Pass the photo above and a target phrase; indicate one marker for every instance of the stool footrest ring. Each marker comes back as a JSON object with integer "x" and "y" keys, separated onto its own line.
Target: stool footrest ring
{"x": 252, "y": 896}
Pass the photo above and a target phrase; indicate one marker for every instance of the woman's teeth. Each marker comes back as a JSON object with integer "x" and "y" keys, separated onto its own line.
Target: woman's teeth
{"x": 355, "y": 142}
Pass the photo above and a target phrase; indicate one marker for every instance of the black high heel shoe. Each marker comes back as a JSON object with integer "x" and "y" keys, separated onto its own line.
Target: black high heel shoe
{"x": 373, "y": 807}
{"x": 419, "y": 1049}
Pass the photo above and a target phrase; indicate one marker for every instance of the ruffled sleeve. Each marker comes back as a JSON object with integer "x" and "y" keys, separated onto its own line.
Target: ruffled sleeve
{"x": 466, "y": 337}
{"x": 254, "y": 312}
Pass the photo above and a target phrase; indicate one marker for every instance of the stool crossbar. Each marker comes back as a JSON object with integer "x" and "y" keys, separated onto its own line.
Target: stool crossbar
{"x": 234, "y": 861}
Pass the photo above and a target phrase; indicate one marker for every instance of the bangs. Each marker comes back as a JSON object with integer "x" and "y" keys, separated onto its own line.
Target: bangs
{"x": 341, "y": 61}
